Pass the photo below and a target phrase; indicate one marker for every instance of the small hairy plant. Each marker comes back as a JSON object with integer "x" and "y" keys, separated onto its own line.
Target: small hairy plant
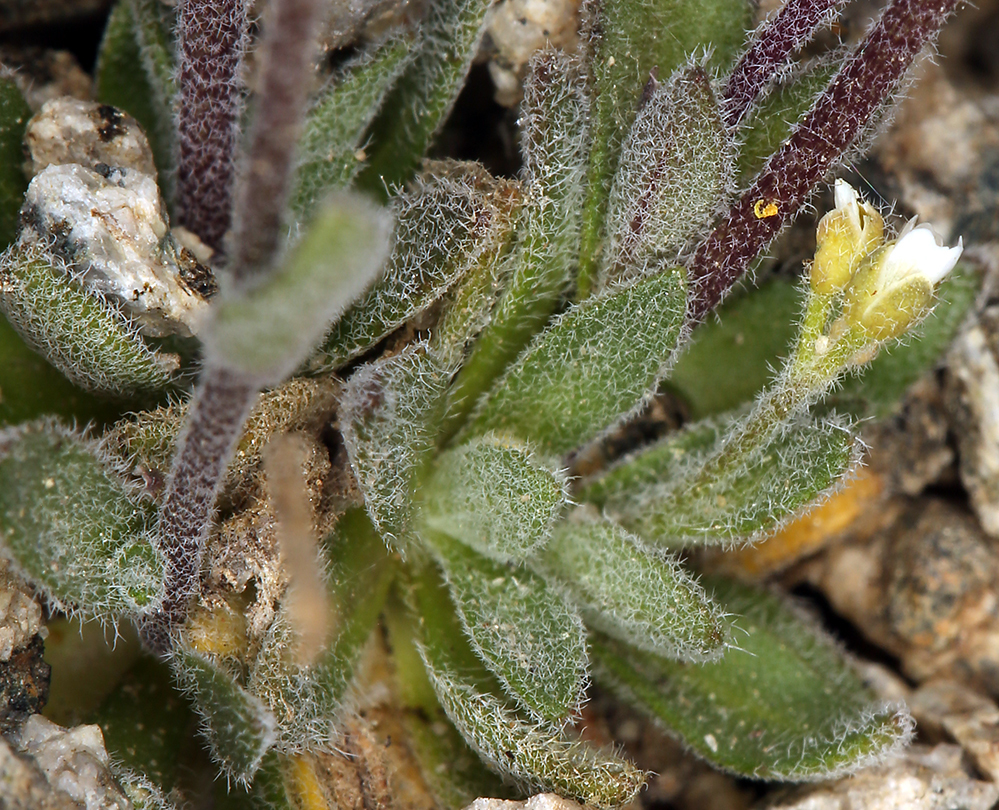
{"x": 383, "y": 449}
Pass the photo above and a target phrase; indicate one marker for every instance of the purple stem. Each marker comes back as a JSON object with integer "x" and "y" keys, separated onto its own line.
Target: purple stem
{"x": 224, "y": 398}
{"x": 871, "y": 74}
{"x": 211, "y": 37}
{"x": 213, "y": 427}
{"x": 288, "y": 51}
{"x": 773, "y": 45}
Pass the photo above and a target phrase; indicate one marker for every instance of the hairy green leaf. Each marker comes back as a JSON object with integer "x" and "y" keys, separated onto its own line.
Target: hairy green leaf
{"x": 590, "y": 367}
{"x": 783, "y": 705}
{"x": 656, "y": 493}
{"x": 528, "y": 636}
{"x": 239, "y": 728}
{"x": 445, "y": 225}
{"x": 675, "y": 169}
{"x": 14, "y": 115}
{"x": 31, "y": 387}
{"x": 307, "y": 700}
{"x": 269, "y": 330}
{"x": 554, "y": 127}
{"x": 536, "y": 754}
{"x": 74, "y": 529}
{"x": 418, "y": 104}
{"x": 495, "y": 497}
{"x": 330, "y": 151}
{"x": 82, "y": 335}
{"x": 632, "y": 592}
{"x": 389, "y": 417}
{"x": 627, "y": 41}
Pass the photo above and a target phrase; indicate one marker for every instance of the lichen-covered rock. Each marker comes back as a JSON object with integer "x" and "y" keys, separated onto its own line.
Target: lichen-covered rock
{"x": 68, "y": 130}
{"x": 110, "y": 225}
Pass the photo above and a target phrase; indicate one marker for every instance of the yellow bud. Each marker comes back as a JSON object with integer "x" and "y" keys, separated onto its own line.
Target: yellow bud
{"x": 890, "y": 313}
{"x": 844, "y": 237}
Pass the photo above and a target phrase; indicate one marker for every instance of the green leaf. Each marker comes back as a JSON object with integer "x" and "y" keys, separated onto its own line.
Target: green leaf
{"x": 389, "y": 417}
{"x": 450, "y": 768}
{"x": 537, "y": 755}
{"x": 446, "y": 225}
{"x": 783, "y": 705}
{"x": 731, "y": 358}
{"x": 330, "y": 150}
{"x": 590, "y": 367}
{"x": 772, "y": 117}
{"x": 676, "y": 167}
{"x": 14, "y": 115}
{"x": 877, "y": 391}
{"x": 239, "y": 728}
{"x": 79, "y": 333}
{"x": 269, "y": 330}
{"x": 627, "y": 41}
{"x": 651, "y": 493}
{"x": 416, "y": 107}
{"x": 31, "y": 387}
{"x": 554, "y": 129}
{"x": 146, "y": 723}
{"x": 526, "y": 634}
{"x": 73, "y": 528}
{"x": 307, "y": 700}
{"x": 495, "y": 497}
{"x": 634, "y": 593}
{"x": 135, "y": 72}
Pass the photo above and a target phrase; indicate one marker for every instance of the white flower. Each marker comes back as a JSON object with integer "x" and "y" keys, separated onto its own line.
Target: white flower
{"x": 919, "y": 251}
{"x": 894, "y": 288}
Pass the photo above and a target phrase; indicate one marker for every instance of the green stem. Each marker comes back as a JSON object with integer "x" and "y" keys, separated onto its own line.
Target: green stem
{"x": 807, "y": 375}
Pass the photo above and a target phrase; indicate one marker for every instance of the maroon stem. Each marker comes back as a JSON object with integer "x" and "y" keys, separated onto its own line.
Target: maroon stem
{"x": 211, "y": 36}
{"x": 870, "y": 75}
{"x": 223, "y": 398}
{"x": 288, "y": 53}
{"x": 770, "y": 51}
{"x": 213, "y": 427}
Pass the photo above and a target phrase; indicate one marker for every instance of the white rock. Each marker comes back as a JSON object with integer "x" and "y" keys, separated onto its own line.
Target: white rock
{"x": 919, "y": 779}
{"x": 68, "y": 130}
{"x": 540, "y": 801}
{"x": 519, "y": 28}
{"x": 20, "y": 616}
{"x": 73, "y": 760}
{"x": 112, "y": 229}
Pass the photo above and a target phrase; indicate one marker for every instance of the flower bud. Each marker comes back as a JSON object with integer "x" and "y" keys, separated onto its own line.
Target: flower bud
{"x": 843, "y": 238}
{"x": 894, "y": 287}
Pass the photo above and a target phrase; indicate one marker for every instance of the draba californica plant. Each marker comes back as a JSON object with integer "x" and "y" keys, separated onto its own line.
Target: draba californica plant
{"x": 400, "y": 364}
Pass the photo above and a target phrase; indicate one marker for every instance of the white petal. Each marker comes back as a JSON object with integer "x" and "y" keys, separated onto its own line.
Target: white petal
{"x": 844, "y": 194}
